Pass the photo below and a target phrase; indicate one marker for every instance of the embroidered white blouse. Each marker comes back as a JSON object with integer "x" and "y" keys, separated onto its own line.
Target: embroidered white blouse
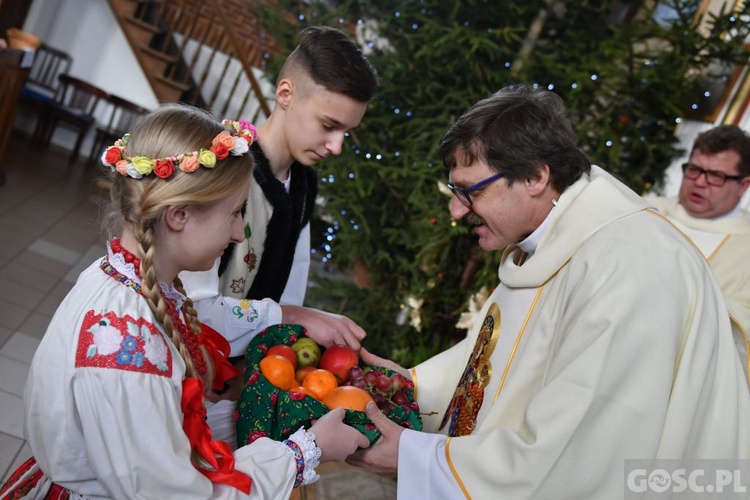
{"x": 103, "y": 403}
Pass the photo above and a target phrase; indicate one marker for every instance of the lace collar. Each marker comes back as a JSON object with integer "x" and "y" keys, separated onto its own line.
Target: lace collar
{"x": 127, "y": 269}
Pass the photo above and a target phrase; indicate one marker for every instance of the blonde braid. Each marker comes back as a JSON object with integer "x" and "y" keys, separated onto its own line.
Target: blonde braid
{"x": 150, "y": 287}
{"x": 191, "y": 316}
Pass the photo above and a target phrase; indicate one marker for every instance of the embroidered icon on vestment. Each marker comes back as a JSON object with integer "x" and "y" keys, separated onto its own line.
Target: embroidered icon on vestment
{"x": 467, "y": 399}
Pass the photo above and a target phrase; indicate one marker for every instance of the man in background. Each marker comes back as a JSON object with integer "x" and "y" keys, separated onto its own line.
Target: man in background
{"x": 708, "y": 211}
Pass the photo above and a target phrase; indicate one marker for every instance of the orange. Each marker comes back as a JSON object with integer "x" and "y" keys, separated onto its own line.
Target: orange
{"x": 347, "y": 396}
{"x": 301, "y": 373}
{"x": 319, "y": 382}
{"x": 279, "y": 371}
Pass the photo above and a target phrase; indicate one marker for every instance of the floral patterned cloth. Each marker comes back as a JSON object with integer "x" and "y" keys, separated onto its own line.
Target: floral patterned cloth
{"x": 264, "y": 410}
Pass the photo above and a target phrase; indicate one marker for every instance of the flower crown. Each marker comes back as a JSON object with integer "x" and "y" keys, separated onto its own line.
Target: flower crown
{"x": 236, "y": 139}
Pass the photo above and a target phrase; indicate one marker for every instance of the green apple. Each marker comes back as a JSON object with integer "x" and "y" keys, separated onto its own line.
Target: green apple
{"x": 308, "y": 352}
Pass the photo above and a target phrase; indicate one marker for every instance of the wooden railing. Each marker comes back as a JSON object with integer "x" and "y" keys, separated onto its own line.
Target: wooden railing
{"x": 209, "y": 53}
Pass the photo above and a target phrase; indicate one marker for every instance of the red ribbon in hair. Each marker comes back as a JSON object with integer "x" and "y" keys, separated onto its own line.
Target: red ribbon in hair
{"x": 218, "y": 454}
{"x": 218, "y": 348}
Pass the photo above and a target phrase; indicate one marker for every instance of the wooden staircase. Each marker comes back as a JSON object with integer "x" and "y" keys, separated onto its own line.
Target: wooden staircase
{"x": 208, "y": 53}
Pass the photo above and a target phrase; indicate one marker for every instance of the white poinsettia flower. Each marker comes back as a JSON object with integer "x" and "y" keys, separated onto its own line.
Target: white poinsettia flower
{"x": 415, "y": 306}
{"x": 476, "y": 301}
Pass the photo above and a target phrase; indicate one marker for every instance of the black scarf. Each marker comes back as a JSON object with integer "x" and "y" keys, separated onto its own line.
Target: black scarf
{"x": 291, "y": 212}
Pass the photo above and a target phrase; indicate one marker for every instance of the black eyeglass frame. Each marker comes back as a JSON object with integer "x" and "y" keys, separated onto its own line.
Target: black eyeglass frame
{"x": 713, "y": 178}
{"x": 464, "y": 194}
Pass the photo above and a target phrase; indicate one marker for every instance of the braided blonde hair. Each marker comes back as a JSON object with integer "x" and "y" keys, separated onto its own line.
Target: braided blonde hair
{"x": 143, "y": 203}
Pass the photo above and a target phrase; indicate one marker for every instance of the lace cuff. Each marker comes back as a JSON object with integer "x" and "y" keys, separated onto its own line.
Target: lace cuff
{"x": 306, "y": 454}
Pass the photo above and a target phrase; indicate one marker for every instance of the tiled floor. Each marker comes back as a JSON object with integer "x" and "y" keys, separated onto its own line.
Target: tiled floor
{"x": 48, "y": 235}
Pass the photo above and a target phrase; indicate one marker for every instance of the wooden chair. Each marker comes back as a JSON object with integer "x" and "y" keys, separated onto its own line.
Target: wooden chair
{"x": 43, "y": 80}
{"x": 74, "y": 107}
{"x": 123, "y": 115}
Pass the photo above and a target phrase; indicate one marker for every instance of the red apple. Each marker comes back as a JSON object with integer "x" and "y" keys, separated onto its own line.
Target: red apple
{"x": 338, "y": 359}
{"x": 285, "y": 351}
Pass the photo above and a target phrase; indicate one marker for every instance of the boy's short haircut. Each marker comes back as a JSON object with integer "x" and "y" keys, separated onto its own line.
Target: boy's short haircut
{"x": 333, "y": 60}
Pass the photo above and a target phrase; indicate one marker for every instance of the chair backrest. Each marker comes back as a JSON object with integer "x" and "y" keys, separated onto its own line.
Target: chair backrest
{"x": 49, "y": 63}
{"x": 79, "y": 96}
{"x": 124, "y": 114}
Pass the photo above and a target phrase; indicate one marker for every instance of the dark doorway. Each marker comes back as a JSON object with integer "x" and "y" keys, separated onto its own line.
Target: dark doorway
{"x": 13, "y": 14}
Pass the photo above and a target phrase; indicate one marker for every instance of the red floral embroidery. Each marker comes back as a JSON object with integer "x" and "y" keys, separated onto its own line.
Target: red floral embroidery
{"x": 122, "y": 343}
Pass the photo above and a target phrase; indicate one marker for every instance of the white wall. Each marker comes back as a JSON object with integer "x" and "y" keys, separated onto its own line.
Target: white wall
{"x": 89, "y": 32}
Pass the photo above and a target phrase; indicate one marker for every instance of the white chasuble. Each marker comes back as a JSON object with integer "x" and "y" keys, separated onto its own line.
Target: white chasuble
{"x": 499, "y": 339}
{"x": 706, "y": 242}
{"x": 613, "y": 344}
{"x": 725, "y": 243}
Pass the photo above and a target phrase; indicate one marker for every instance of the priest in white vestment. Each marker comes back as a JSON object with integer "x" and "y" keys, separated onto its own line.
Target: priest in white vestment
{"x": 707, "y": 209}
{"x": 606, "y": 340}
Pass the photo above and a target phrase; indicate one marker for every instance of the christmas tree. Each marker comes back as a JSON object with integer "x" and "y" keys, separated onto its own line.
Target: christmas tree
{"x": 627, "y": 72}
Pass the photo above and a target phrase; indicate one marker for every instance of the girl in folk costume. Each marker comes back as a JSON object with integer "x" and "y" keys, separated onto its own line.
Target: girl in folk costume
{"x": 115, "y": 396}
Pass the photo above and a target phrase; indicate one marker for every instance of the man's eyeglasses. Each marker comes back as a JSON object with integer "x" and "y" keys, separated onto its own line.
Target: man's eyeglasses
{"x": 714, "y": 178}
{"x": 464, "y": 194}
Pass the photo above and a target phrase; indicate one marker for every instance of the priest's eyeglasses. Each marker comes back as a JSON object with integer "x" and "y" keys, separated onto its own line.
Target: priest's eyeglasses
{"x": 713, "y": 178}
{"x": 464, "y": 194}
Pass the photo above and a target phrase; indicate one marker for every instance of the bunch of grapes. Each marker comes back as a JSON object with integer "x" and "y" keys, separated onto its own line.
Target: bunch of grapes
{"x": 387, "y": 391}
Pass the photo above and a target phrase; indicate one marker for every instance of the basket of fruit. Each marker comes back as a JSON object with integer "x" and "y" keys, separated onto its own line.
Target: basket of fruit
{"x": 290, "y": 381}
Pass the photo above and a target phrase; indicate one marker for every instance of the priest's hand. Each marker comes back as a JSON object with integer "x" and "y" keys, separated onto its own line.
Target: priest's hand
{"x": 336, "y": 439}
{"x": 323, "y": 327}
{"x": 371, "y": 359}
{"x": 381, "y": 457}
